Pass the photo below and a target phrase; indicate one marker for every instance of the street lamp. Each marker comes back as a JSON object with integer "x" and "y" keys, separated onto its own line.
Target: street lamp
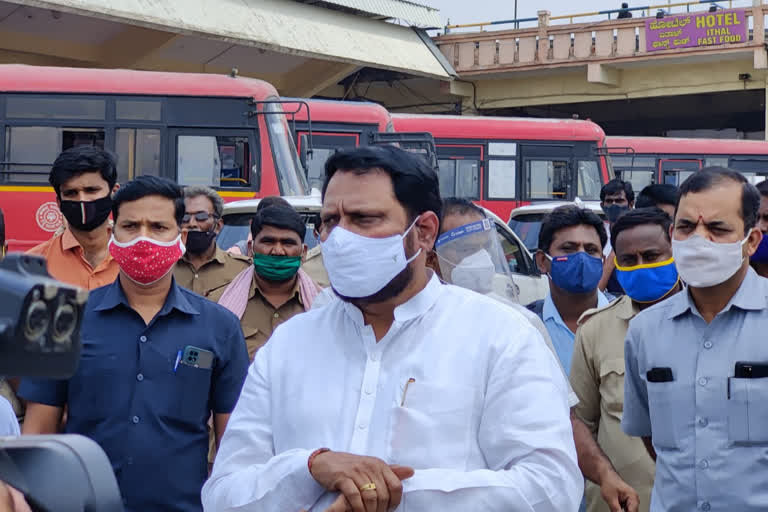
{"x": 517, "y": 24}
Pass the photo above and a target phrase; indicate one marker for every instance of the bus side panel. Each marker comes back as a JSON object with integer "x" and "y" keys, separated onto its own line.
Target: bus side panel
{"x": 31, "y": 215}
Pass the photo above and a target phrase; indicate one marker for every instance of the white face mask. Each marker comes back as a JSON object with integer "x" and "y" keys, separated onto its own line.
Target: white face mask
{"x": 703, "y": 263}
{"x": 359, "y": 266}
{"x": 475, "y": 272}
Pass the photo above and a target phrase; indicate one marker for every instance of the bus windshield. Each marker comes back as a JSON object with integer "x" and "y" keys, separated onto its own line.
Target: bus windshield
{"x": 290, "y": 174}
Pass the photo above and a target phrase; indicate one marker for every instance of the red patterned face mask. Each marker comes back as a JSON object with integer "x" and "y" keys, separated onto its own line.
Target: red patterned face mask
{"x": 144, "y": 260}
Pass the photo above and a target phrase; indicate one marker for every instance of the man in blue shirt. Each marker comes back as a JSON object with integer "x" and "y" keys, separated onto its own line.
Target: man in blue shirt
{"x": 695, "y": 387}
{"x": 156, "y": 361}
{"x": 571, "y": 244}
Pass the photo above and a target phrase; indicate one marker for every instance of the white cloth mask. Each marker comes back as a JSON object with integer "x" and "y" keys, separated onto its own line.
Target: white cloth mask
{"x": 475, "y": 272}
{"x": 703, "y": 263}
{"x": 359, "y": 266}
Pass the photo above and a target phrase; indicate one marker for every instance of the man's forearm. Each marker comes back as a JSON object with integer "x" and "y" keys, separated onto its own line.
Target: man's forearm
{"x": 593, "y": 461}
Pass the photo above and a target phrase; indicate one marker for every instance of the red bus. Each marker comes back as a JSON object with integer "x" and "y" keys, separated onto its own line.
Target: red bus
{"x": 502, "y": 163}
{"x": 198, "y": 129}
{"x": 346, "y": 124}
{"x": 646, "y": 160}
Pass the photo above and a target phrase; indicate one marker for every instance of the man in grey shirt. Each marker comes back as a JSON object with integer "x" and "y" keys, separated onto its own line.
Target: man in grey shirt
{"x": 699, "y": 416}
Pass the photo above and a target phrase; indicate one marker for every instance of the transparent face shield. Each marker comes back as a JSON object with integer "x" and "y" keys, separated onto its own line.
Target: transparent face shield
{"x": 471, "y": 256}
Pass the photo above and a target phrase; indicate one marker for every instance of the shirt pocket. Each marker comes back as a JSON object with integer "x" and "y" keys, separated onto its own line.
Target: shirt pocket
{"x": 193, "y": 387}
{"x": 432, "y": 429}
{"x": 612, "y": 386}
{"x": 748, "y": 411}
{"x": 671, "y": 406}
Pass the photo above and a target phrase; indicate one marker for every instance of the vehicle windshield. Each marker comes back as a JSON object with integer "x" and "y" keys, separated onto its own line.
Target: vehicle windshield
{"x": 290, "y": 174}
{"x": 527, "y": 227}
{"x": 237, "y": 227}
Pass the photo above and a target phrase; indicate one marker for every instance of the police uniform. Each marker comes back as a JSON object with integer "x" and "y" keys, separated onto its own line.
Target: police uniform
{"x": 313, "y": 266}
{"x": 597, "y": 377}
{"x": 213, "y": 275}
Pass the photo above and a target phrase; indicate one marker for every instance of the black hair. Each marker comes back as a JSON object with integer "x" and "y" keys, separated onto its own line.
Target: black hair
{"x": 268, "y": 201}
{"x": 565, "y": 217}
{"x": 79, "y": 160}
{"x": 616, "y": 186}
{"x": 144, "y": 186}
{"x": 762, "y": 187}
{"x": 2, "y": 228}
{"x": 624, "y": 5}
{"x": 278, "y": 216}
{"x": 710, "y": 177}
{"x": 415, "y": 183}
{"x": 640, "y": 217}
{"x": 460, "y": 206}
{"x": 654, "y": 195}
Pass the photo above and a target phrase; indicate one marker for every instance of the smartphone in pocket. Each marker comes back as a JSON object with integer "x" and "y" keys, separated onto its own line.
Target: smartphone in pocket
{"x": 749, "y": 370}
{"x": 197, "y": 357}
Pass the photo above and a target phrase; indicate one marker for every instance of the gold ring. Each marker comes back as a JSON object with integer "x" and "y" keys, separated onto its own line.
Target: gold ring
{"x": 368, "y": 487}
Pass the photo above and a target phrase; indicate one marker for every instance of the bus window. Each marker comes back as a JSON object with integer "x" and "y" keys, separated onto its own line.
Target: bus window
{"x": 547, "y": 179}
{"x": 502, "y": 179}
{"x": 589, "y": 180}
{"x": 675, "y": 172}
{"x": 32, "y": 149}
{"x": 459, "y": 178}
{"x": 213, "y": 161}
{"x": 323, "y": 146}
{"x": 35, "y": 107}
{"x": 138, "y": 152}
{"x": 716, "y": 161}
{"x": 639, "y": 170}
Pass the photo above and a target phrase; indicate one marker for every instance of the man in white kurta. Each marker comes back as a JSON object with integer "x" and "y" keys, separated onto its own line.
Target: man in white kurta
{"x": 459, "y": 387}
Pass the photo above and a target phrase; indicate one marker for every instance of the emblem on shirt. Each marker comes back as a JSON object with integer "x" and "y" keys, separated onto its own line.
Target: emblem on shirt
{"x": 49, "y": 217}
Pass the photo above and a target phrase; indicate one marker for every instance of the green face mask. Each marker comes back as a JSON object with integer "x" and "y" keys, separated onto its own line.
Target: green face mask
{"x": 276, "y": 268}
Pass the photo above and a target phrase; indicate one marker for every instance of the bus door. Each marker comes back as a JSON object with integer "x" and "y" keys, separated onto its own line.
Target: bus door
{"x": 674, "y": 172}
{"x": 460, "y": 167}
{"x": 324, "y": 144}
{"x": 220, "y": 158}
{"x": 548, "y": 172}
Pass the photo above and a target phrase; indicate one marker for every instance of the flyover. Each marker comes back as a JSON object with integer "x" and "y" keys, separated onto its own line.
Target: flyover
{"x": 612, "y": 73}
{"x": 301, "y": 47}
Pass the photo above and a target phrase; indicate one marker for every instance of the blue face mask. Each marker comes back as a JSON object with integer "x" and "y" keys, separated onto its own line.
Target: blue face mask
{"x": 761, "y": 255}
{"x": 576, "y": 273}
{"x": 649, "y": 282}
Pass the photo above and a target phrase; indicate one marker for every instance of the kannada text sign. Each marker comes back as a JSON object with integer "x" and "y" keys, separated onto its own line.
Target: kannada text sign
{"x": 700, "y": 29}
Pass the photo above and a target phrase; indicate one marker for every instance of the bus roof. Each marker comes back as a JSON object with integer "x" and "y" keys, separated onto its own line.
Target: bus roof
{"x": 679, "y": 146}
{"x": 487, "y": 127}
{"x": 333, "y": 111}
{"x": 23, "y": 78}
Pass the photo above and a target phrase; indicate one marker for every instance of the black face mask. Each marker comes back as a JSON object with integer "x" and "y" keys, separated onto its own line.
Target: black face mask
{"x": 86, "y": 215}
{"x": 199, "y": 241}
{"x": 614, "y": 211}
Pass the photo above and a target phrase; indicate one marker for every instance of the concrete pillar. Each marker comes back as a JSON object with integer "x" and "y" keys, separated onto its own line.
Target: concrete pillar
{"x": 544, "y": 18}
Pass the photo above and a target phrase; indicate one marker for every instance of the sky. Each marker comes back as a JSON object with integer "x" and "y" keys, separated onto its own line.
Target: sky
{"x": 474, "y": 11}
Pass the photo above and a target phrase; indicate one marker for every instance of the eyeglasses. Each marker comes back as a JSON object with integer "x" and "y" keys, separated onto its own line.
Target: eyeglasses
{"x": 199, "y": 217}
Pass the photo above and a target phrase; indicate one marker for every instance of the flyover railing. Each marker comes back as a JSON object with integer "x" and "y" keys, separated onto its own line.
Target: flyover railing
{"x": 565, "y": 44}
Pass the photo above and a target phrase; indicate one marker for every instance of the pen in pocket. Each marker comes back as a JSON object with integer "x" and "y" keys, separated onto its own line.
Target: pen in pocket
{"x": 405, "y": 390}
{"x": 176, "y": 364}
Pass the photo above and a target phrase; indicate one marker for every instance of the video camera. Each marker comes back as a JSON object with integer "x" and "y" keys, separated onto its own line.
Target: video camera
{"x": 40, "y": 337}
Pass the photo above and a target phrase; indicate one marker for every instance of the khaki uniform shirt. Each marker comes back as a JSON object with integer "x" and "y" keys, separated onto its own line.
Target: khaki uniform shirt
{"x": 313, "y": 266}
{"x": 261, "y": 317}
{"x": 597, "y": 377}
{"x": 214, "y": 275}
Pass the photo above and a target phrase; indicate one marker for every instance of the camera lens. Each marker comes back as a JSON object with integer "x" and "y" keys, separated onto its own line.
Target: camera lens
{"x": 36, "y": 322}
{"x": 64, "y": 323}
